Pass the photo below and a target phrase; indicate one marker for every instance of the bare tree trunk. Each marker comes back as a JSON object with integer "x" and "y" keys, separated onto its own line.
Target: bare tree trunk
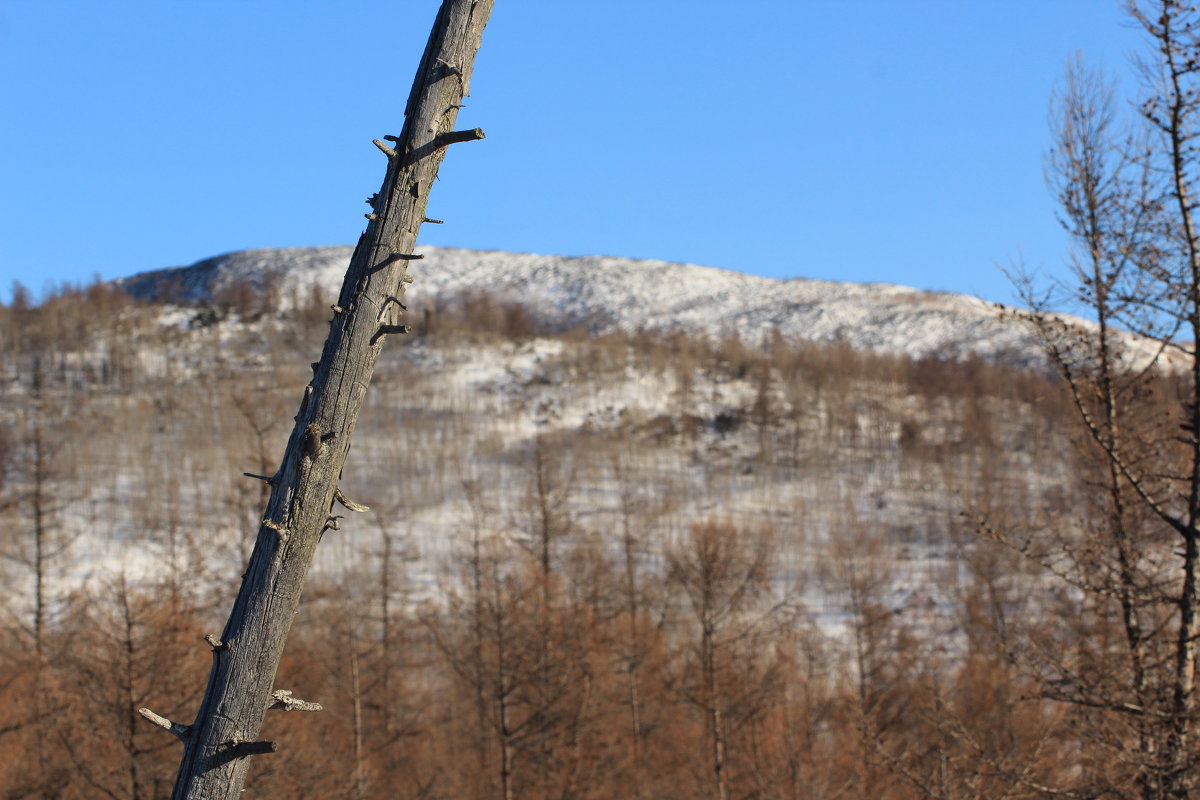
{"x": 503, "y": 688}
{"x": 356, "y": 690}
{"x": 240, "y": 686}
{"x": 716, "y": 721}
{"x": 385, "y": 632}
{"x": 479, "y": 682}
{"x": 633, "y": 660}
{"x": 40, "y": 557}
{"x": 1177, "y": 47}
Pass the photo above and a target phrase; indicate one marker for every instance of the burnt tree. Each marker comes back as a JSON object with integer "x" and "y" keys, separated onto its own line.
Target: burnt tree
{"x": 218, "y": 743}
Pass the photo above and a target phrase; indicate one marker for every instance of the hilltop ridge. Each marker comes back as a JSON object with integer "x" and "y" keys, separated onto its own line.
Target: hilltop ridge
{"x": 607, "y": 292}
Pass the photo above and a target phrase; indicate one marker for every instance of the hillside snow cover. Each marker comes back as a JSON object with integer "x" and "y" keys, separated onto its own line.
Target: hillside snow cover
{"x": 606, "y": 292}
{"x": 896, "y": 463}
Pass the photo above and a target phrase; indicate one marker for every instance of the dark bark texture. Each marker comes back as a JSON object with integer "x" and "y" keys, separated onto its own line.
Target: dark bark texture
{"x": 220, "y": 743}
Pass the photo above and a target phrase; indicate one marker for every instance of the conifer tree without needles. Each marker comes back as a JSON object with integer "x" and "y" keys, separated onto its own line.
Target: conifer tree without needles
{"x": 219, "y": 743}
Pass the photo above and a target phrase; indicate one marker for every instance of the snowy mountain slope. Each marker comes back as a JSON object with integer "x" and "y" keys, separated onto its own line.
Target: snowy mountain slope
{"x": 631, "y": 294}
{"x": 820, "y": 454}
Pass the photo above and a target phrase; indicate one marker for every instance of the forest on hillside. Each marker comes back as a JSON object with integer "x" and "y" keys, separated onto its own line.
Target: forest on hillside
{"x": 774, "y": 569}
{"x": 631, "y": 564}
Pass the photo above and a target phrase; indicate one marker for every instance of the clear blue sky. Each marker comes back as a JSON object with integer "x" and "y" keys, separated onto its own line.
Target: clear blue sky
{"x": 876, "y": 140}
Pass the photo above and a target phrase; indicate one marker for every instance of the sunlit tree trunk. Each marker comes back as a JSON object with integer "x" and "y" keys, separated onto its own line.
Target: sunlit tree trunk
{"x": 217, "y": 745}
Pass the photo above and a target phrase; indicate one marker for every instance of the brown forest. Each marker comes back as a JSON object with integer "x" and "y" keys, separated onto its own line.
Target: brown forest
{"x": 779, "y": 577}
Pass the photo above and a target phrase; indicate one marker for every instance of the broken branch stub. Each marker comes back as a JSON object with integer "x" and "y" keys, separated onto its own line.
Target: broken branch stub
{"x": 174, "y": 728}
{"x": 282, "y": 699}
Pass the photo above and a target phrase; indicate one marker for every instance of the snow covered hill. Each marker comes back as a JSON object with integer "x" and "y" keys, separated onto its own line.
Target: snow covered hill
{"x": 821, "y": 445}
{"x": 610, "y": 292}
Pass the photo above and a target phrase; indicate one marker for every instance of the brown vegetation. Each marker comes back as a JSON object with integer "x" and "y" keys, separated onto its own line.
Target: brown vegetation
{"x": 602, "y": 612}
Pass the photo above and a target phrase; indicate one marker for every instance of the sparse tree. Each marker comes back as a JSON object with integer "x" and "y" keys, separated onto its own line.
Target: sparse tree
{"x": 724, "y": 575}
{"x": 38, "y": 490}
{"x": 639, "y": 507}
{"x": 1124, "y": 646}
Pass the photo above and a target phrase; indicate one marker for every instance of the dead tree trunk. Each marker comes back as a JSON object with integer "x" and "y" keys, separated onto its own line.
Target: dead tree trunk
{"x": 217, "y": 745}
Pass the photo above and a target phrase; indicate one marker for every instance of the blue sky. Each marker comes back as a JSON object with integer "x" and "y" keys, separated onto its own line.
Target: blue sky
{"x": 876, "y": 140}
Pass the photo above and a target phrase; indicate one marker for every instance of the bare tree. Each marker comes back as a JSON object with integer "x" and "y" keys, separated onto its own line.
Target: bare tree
{"x": 639, "y": 507}
{"x": 724, "y": 573}
{"x": 1125, "y": 650}
{"x": 304, "y": 488}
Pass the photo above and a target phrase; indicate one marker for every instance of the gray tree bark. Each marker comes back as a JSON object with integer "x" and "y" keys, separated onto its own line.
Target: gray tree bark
{"x": 219, "y": 743}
